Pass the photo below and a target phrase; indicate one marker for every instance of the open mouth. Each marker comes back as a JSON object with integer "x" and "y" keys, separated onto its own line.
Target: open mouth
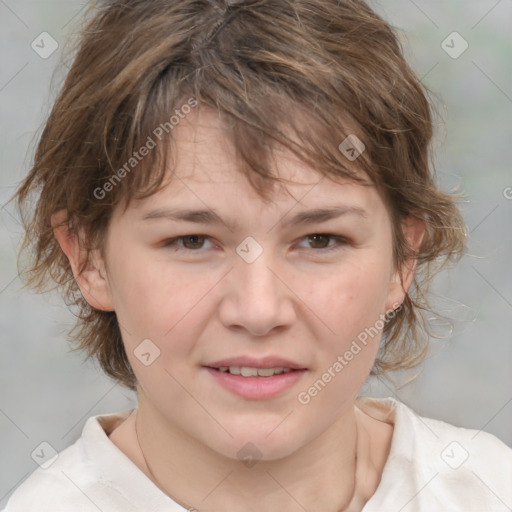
{"x": 253, "y": 383}
{"x": 245, "y": 371}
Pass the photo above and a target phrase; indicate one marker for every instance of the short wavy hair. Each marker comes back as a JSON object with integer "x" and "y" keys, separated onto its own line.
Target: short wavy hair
{"x": 318, "y": 69}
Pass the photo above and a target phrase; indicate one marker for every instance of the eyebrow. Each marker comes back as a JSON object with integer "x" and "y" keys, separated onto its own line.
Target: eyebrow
{"x": 314, "y": 216}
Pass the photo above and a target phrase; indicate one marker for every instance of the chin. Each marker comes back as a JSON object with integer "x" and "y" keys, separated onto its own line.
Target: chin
{"x": 249, "y": 445}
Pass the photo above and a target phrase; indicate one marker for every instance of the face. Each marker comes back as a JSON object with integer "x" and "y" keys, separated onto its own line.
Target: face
{"x": 257, "y": 284}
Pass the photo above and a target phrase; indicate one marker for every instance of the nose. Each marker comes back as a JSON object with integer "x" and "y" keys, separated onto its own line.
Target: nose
{"x": 257, "y": 297}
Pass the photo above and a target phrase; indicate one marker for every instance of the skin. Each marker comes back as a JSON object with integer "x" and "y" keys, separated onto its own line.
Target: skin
{"x": 205, "y": 303}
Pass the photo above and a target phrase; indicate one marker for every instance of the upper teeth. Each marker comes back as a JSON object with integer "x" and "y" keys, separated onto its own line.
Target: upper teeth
{"x": 245, "y": 371}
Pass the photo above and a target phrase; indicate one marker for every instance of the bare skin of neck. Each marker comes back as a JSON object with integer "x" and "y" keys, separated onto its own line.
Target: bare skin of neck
{"x": 324, "y": 493}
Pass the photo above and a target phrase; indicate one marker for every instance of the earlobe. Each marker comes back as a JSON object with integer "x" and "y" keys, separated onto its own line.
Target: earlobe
{"x": 92, "y": 280}
{"x": 414, "y": 230}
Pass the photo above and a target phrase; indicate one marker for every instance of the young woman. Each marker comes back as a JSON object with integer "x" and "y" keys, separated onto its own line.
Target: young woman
{"x": 238, "y": 198}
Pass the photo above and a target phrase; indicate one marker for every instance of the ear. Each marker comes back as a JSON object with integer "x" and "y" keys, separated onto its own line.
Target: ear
{"x": 414, "y": 231}
{"x": 92, "y": 281}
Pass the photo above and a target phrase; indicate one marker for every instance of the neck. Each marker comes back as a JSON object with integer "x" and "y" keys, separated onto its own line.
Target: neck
{"x": 330, "y": 474}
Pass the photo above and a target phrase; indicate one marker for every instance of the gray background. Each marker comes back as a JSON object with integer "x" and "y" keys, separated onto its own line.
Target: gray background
{"x": 47, "y": 392}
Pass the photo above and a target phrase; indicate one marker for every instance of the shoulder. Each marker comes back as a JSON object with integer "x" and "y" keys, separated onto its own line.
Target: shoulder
{"x": 55, "y": 487}
{"x": 435, "y": 464}
{"x": 457, "y": 447}
{"x": 467, "y": 466}
{"x": 74, "y": 479}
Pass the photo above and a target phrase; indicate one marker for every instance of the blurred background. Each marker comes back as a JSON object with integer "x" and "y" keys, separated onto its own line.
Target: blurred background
{"x": 463, "y": 53}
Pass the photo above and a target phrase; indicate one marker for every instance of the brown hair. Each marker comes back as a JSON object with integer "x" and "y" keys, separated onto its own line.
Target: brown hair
{"x": 323, "y": 69}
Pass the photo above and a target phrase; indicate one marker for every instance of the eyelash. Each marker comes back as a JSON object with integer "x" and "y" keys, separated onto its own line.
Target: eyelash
{"x": 341, "y": 241}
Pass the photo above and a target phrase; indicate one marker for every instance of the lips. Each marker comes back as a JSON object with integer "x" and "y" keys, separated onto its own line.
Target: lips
{"x": 256, "y": 388}
{"x": 256, "y": 378}
{"x": 246, "y": 371}
{"x": 257, "y": 363}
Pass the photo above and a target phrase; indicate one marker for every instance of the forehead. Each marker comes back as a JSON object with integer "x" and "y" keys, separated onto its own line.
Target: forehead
{"x": 202, "y": 152}
{"x": 205, "y": 172}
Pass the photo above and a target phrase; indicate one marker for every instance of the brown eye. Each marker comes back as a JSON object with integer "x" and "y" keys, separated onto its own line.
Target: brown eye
{"x": 319, "y": 241}
{"x": 193, "y": 241}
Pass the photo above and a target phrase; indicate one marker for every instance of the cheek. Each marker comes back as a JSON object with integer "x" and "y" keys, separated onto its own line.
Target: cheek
{"x": 351, "y": 303}
{"x": 353, "y": 297}
{"x": 171, "y": 307}
{"x": 150, "y": 301}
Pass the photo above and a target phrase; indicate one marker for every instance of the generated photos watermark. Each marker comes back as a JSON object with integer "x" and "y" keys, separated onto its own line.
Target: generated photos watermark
{"x": 144, "y": 150}
{"x": 342, "y": 361}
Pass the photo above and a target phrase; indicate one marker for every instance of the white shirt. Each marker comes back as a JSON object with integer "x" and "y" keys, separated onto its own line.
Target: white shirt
{"x": 432, "y": 466}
